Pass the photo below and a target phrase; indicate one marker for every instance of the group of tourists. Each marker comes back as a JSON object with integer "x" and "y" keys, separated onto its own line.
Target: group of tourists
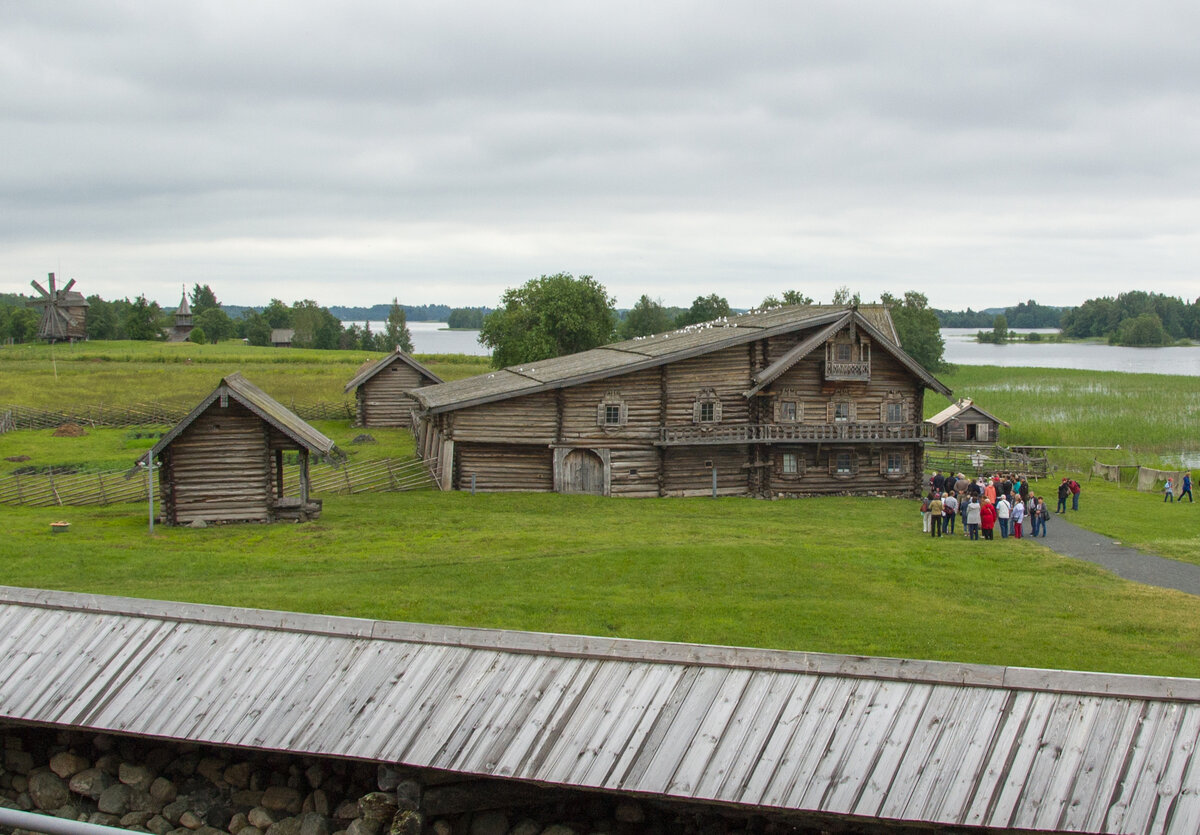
{"x": 1000, "y": 500}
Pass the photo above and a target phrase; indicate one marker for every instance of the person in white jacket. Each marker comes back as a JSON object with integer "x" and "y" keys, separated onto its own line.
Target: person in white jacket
{"x": 1003, "y": 512}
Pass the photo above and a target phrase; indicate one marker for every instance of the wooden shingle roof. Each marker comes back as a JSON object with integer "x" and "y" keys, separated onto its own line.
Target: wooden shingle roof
{"x": 853, "y": 738}
{"x": 959, "y": 408}
{"x": 652, "y": 351}
{"x": 262, "y": 404}
{"x": 395, "y": 356}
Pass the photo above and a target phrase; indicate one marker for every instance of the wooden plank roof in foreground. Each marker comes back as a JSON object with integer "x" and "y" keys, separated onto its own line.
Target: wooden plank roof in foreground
{"x": 651, "y": 351}
{"x": 854, "y": 737}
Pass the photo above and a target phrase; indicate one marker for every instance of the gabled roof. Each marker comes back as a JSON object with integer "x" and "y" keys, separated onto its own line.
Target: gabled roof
{"x": 652, "y": 351}
{"x": 852, "y": 738}
{"x": 282, "y": 334}
{"x": 954, "y": 410}
{"x": 396, "y": 356}
{"x": 262, "y": 404}
{"x": 184, "y": 308}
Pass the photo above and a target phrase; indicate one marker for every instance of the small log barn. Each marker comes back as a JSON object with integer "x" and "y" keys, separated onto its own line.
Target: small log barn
{"x": 965, "y": 423}
{"x": 807, "y": 400}
{"x": 381, "y": 390}
{"x": 224, "y": 461}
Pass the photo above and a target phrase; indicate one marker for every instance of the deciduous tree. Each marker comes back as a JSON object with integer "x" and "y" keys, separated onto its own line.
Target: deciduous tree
{"x": 547, "y": 317}
{"x": 396, "y": 335}
{"x": 917, "y": 326}
{"x": 646, "y": 317}
{"x": 704, "y": 309}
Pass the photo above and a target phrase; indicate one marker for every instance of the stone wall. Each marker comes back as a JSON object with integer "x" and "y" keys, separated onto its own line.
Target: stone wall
{"x": 185, "y": 789}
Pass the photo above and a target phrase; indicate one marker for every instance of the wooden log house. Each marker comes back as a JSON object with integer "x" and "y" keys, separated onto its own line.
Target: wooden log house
{"x": 224, "y": 461}
{"x": 381, "y": 390}
{"x": 794, "y": 401}
{"x": 965, "y": 423}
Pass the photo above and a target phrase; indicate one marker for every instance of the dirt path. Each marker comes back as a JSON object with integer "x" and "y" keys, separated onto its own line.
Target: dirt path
{"x": 1073, "y": 541}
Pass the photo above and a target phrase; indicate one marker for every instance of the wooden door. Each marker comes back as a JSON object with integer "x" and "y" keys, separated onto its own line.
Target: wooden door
{"x": 583, "y": 472}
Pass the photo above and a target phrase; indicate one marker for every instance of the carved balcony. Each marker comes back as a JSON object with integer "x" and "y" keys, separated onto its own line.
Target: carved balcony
{"x": 776, "y": 433}
{"x": 848, "y": 371}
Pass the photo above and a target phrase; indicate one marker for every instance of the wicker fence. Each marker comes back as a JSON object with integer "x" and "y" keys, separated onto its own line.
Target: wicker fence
{"x": 976, "y": 460}
{"x": 144, "y": 414}
{"x": 50, "y": 490}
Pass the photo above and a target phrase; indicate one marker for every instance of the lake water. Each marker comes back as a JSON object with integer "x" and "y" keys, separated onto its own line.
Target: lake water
{"x": 435, "y": 338}
{"x": 962, "y": 349}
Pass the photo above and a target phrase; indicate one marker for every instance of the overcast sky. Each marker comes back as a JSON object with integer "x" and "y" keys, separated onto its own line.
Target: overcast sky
{"x": 349, "y": 152}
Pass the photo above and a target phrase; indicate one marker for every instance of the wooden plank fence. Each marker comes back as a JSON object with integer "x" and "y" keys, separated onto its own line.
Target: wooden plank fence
{"x": 51, "y": 490}
{"x": 144, "y": 414}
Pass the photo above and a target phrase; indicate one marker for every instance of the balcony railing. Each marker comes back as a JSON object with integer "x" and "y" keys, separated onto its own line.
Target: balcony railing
{"x": 771, "y": 433}
{"x": 847, "y": 370}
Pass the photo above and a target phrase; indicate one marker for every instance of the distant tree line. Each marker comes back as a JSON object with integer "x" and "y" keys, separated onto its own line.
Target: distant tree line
{"x": 560, "y": 314}
{"x": 1028, "y": 314}
{"x": 1136, "y": 318}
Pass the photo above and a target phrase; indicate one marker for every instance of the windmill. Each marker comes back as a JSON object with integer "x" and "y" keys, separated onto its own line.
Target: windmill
{"x": 64, "y": 312}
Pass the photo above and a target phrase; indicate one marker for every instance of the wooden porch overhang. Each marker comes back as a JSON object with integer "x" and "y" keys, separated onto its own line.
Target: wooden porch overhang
{"x": 773, "y": 433}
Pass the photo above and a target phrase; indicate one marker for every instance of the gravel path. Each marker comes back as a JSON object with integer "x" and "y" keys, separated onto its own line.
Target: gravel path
{"x": 1071, "y": 540}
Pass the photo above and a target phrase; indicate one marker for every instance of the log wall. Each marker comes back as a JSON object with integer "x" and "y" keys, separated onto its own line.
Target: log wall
{"x": 381, "y": 399}
{"x": 219, "y": 469}
{"x": 502, "y": 467}
{"x": 532, "y": 419}
{"x": 817, "y": 470}
{"x": 688, "y": 471}
{"x": 639, "y": 394}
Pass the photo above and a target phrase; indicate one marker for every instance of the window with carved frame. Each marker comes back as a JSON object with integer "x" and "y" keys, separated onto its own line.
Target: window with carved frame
{"x": 612, "y": 412}
{"x": 707, "y": 407}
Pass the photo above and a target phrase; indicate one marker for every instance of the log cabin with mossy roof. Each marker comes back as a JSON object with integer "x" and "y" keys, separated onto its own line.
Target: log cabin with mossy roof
{"x": 381, "y": 390}
{"x": 792, "y": 401}
{"x": 224, "y": 462}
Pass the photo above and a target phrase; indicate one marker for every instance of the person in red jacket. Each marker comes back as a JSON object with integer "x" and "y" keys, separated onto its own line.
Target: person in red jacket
{"x": 987, "y": 518}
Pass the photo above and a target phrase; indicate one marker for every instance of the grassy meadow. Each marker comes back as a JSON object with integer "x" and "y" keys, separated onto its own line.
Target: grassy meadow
{"x": 850, "y": 575}
{"x": 94, "y": 373}
{"x": 1152, "y": 417}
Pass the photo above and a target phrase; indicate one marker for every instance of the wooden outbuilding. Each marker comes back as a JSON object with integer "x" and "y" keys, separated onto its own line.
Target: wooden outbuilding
{"x": 965, "y": 423}
{"x": 224, "y": 461}
{"x": 805, "y": 400}
{"x": 381, "y": 390}
{"x": 282, "y": 337}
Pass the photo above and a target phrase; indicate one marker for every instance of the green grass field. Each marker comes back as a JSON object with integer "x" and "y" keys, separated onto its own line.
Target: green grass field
{"x": 95, "y": 373}
{"x": 834, "y": 575}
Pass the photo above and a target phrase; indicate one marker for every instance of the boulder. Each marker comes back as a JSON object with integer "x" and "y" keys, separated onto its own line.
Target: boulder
{"x": 190, "y": 820}
{"x": 489, "y": 823}
{"x": 212, "y": 770}
{"x": 408, "y": 795}
{"x": 559, "y": 829}
{"x": 238, "y": 775}
{"x": 629, "y": 812}
{"x": 47, "y": 790}
{"x": 91, "y": 782}
{"x": 135, "y": 776}
{"x": 317, "y": 802}
{"x": 163, "y": 790}
{"x": 387, "y": 777}
{"x": 67, "y": 764}
{"x": 237, "y": 823}
{"x": 441, "y": 826}
{"x": 115, "y": 799}
{"x": 109, "y": 763}
{"x": 159, "y": 825}
{"x": 136, "y": 819}
{"x": 174, "y": 811}
{"x": 314, "y": 774}
{"x": 283, "y": 799}
{"x": 364, "y": 826}
{"x": 312, "y": 823}
{"x": 246, "y": 798}
{"x": 19, "y": 762}
{"x": 378, "y": 806}
{"x": 407, "y": 822}
{"x": 285, "y": 826}
{"x": 261, "y": 817}
{"x": 104, "y": 819}
{"x": 526, "y": 826}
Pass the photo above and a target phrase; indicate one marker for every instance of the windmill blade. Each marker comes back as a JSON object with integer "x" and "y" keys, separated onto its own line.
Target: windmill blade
{"x": 40, "y": 288}
{"x": 52, "y": 291}
{"x": 67, "y": 287}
